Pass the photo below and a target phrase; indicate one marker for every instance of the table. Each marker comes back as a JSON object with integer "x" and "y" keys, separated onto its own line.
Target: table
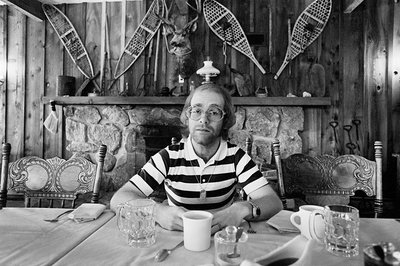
{"x": 25, "y": 239}
{"x": 108, "y": 247}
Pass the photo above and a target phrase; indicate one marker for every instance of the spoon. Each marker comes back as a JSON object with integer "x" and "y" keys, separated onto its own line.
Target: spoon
{"x": 234, "y": 254}
{"x": 54, "y": 220}
{"x": 164, "y": 253}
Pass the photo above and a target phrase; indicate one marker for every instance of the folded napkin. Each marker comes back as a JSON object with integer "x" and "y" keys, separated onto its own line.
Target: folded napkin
{"x": 87, "y": 212}
{"x": 281, "y": 222}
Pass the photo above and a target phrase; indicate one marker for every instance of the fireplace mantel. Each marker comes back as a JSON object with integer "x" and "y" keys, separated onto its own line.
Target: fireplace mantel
{"x": 150, "y": 100}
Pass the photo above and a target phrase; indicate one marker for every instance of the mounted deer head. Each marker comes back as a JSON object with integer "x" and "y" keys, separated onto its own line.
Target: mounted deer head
{"x": 179, "y": 45}
{"x": 180, "y": 40}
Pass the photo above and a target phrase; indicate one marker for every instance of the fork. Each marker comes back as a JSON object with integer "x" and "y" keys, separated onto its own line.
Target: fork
{"x": 250, "y": 230}
{"x": 56, "y": 219}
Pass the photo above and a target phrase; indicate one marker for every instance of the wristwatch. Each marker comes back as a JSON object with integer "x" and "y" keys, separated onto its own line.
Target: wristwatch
{"x": 256, "y": 209}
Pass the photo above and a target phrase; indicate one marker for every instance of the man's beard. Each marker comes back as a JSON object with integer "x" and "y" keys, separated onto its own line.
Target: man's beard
{"x": 204, "y": 139}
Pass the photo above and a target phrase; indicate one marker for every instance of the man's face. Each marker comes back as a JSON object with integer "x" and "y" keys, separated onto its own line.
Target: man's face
{"x": 205, "y": 131}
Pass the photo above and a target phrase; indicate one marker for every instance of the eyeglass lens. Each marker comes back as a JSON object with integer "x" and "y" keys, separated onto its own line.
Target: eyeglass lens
{"x": 213, "y": 113}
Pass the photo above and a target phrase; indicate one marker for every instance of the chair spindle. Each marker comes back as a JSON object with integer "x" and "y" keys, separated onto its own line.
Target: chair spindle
{"x": 99, "y": 173}
{"x": 378, "y": 204}
{"x": 4, "y": 174}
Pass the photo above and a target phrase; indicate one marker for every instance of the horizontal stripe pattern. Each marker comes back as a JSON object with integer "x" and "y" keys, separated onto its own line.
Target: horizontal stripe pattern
{"x": 181, "y": 176}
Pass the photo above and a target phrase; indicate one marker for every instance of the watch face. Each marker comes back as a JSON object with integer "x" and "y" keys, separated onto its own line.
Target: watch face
{"x": 256, "y": 210}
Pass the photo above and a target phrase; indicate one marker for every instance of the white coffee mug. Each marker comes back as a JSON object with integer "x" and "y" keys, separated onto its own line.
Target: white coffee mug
{"x": 197, "y": 230}
{"x": 309, "y": 220}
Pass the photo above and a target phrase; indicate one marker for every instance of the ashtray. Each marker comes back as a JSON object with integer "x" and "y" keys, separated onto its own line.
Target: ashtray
{"x": 381, "y": 254}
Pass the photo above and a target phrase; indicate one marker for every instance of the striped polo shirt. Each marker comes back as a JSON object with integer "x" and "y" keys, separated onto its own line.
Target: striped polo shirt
{"x": 185, "y": 175}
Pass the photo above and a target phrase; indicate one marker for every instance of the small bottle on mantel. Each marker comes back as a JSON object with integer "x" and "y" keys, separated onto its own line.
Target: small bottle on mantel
{"x": 192, "y": 86}
{"x": 181, "y": 82}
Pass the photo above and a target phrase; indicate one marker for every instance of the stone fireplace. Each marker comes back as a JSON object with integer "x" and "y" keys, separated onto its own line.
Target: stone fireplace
{"x": 133, "y": 133}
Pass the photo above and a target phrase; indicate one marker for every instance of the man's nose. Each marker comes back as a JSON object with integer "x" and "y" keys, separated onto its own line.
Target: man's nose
{"x": 204, "y": 118}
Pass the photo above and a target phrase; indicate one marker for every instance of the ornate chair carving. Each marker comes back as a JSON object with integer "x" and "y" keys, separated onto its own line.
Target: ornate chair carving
{"x": 325, "y": 179}
{"x": 4, "y": 173}
{"x": 56, "y": 179}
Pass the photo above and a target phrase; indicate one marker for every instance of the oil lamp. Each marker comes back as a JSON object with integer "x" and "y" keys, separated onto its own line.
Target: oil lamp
{"x": 207, "y": 71}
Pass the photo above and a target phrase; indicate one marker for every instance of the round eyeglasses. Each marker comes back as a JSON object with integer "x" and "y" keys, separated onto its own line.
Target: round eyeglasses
{"x": 213, "y": 113}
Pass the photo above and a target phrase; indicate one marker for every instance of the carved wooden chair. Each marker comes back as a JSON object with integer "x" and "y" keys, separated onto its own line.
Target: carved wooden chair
{"x": 5, "y": 158}
{"x": 325, "y": 179}
{"x": 272, "y": 172}
{"x": 56, "y": 180}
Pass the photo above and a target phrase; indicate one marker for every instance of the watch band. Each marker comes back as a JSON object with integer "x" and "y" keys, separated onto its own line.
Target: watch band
{"x": 256, "y": 209}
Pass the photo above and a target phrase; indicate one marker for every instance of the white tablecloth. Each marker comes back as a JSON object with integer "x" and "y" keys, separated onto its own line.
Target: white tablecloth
{"x": 108, "y": 247}
{"x": 25, "y": 239}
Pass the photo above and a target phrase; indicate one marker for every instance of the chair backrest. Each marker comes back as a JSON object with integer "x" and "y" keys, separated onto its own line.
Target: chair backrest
{"x": 56, "y": 179}
{"x": 5, "y": 158}
{"x": 278, "y": 162}
{"x": 325, "y": 179}
{"x": 274, "y": 174}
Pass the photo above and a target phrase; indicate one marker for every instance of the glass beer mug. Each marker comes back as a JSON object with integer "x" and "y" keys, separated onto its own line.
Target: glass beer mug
{"x": 135, "y": 219}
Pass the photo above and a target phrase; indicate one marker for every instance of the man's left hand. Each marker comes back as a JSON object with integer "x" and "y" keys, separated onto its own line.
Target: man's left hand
{"x": 233, "y": 215}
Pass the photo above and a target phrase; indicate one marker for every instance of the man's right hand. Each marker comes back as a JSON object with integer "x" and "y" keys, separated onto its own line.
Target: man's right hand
{"x": 169, "y": 217}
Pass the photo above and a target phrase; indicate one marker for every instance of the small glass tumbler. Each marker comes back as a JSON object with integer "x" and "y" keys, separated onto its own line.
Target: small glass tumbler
{"x": 228, "y": 251}
{"x": 136, "y": 221}
{"x": 342, "y": 224}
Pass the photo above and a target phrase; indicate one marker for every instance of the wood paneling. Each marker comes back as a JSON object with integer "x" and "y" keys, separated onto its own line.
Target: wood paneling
{"x": 134, "y": 76}
{"x": 376, "y": 102}
{"x": 35, "y": 80}
{"x": 54, "y": 67}
{"x": 77, "y": 15}
{"x": 3, "y": 72}
{"x": 16, "y": 76}
{"x": 352, "y": 54}
{"x": 394, "y": 74}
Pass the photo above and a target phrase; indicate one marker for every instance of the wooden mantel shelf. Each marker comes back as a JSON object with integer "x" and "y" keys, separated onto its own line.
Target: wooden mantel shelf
{"x": 150, "y": 100}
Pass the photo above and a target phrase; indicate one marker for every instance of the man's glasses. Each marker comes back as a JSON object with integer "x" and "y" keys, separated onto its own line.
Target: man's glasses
{"x": 213, "y": 113}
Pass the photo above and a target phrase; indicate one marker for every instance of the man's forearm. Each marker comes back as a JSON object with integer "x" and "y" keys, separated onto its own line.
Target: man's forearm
{"x": 125, "y": 193}
{"x": 269, "y": 206}
{"x": 268, "y": 202}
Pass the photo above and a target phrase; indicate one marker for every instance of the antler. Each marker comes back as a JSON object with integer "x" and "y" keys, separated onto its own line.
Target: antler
{"x": 198, "y": 11}
{"x": 166, "y": 19}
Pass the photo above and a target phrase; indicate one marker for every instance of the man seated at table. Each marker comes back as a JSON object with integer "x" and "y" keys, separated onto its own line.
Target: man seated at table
{"x": 203, "y": 171}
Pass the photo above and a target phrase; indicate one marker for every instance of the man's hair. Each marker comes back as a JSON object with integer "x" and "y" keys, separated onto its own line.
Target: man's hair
{"x": 229, "y": 118}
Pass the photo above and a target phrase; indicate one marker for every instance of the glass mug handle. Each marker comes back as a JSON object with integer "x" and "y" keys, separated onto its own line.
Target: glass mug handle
{"x": 120, "y": 216}
{"x": 312, "y": 223}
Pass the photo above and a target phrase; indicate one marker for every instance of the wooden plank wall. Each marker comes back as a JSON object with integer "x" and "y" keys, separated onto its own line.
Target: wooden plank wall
{"x": 394, "y": 73}
{"x": 356, "y": 50}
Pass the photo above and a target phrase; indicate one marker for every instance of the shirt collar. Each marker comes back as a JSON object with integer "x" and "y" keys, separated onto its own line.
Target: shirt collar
{"x": 221, "y": 152}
